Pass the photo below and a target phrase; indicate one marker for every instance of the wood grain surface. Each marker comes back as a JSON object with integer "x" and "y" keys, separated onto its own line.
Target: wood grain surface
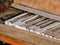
{"x": 13, "y": 41}
{"x": 52, "y": 6}
{"x": 25, "y": 36}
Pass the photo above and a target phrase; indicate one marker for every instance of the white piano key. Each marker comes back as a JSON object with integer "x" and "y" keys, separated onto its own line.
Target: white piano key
{"x": 42, "y": 22}
{"x": 42, "y": 34}
{"x": 19, "y": 21}
{"x": 39, "y": 20}
{"x": 31, "y": 18}
{"x": 31, "y": 30}
{"x": 21, "y": 17}
{"x": 17, "y": 26}
{"x": 46, "y": 35}
{"x": 26, "y": 18}
{"x": 37, "y": 32}
{"x": 17, "y": 17}
{"x": 6, "y": 22}
{"x": 50, "y": 26}
{"x": 27, "y": 24}
{"x": 54, "y": 27}
{"x": 54, "y": 38}
{"x": 50, "y": 37}
{"x": 37, "y": 29}
{"x": 34, "y": 28}
{"x": 58, "y": 39}
{"x": 47, "y": 23}
{"x": 9, "y": 23}
{"x": 33, "y": 22}
{"x": 34, "y": 19}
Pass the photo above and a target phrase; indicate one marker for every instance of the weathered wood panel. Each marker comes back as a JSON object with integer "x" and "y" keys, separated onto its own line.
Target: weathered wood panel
{"x": 52, "y": 6}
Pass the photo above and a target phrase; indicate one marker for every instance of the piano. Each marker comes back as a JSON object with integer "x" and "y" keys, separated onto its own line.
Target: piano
{"x": 30, "y": 23}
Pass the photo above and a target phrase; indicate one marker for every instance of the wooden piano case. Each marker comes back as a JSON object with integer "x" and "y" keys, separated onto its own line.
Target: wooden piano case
{"x": 15, "y": 36}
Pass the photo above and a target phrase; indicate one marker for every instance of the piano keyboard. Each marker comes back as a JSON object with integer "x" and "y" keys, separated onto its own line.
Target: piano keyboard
{"x": 31, "y": 22}
{"x": 54, "y": 32}
{"x": 10, "y": 13}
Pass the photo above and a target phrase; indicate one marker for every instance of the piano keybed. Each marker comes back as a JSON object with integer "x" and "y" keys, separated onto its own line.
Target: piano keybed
{"x": 31, "y": 22}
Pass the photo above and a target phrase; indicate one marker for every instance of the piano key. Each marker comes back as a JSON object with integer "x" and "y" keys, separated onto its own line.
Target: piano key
{"x": 12, "y": 20}
{"x": 17, "y": 26}
{"x": 54, "y": 32}
{"x": 46, "y": 28}
{"x": 44, "y": 21}
{"x": 32, "y": 18}
{"x": 30, "y": 23}
{"x": 19, "y": 22}
{"x": 34, "y": 27}
{"x": 51, "y": 25}
{"x": 43, "y": 18}
{"x": 26, "y": 18}
{"x": 58, "y": 31}
{"x": 55, "y": 27}
{"x": 24, "y": 15}
{"x": 34, "y": 22}
{"x": 47, "y": 23}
